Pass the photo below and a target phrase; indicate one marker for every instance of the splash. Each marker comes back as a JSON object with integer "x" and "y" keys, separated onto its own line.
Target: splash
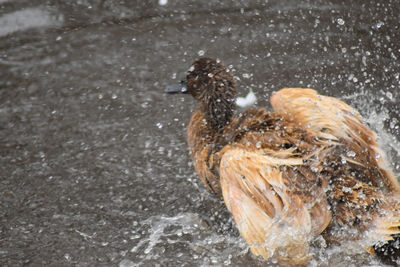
{"x": 377, "y": 117}
{"x": 187, "y": 229}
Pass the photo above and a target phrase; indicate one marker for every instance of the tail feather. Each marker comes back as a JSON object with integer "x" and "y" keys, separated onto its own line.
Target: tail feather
{"x": 387, "y": 223}
{"x": 388, "y": 248}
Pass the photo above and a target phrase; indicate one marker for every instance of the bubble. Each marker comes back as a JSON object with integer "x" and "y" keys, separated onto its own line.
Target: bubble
{"x": 201, "y": 53}
{"x": 340, "y": 21}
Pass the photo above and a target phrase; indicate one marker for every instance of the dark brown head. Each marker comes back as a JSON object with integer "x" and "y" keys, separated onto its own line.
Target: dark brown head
{"x": 213, "y": 86}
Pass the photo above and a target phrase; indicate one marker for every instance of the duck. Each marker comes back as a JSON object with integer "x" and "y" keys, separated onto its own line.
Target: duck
{"x": 311, "y": 167}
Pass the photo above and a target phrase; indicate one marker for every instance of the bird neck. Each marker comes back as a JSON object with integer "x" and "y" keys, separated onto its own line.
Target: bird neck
{"x": 217, "y": 110}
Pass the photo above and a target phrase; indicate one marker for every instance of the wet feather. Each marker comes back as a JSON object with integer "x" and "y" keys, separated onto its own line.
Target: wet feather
{"x": 311, "y": 167}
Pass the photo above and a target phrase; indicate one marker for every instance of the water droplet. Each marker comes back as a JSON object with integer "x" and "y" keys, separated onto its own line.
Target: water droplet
{"x": 159, "y": 125}
{"x": 351, "y": 153}
{"x": 162, "y": 2}
{"x": 347, "y": 190}
{"x": 210, "y": 75}
{"x": 393, "y": 123}
{"x": 201, "y": 53}
{"x": 314, "y": 169}
{"x": 114, "y": 96}
{"x": 67, "y": 257}
{"x": 340, "y": 21}
{"x": 379, "y": 24}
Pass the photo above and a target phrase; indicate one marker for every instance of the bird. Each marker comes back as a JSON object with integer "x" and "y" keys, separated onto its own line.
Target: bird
{"x": 311, "y": 167}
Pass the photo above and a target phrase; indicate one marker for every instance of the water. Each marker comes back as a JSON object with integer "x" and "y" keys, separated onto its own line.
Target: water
{"x": 93, "y": 159}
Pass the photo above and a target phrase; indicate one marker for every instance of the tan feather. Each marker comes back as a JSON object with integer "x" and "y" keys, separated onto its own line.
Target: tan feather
{"x": 269, "y": 217}
{"x": 330, "y": 119}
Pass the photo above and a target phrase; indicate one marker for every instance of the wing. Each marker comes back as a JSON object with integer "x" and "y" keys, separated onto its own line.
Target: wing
{"x": 273, "y": 218}
{"x": 331, "y": 120}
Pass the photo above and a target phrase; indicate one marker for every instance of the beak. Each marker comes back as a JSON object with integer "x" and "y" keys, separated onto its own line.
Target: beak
{"x": 177, "y": 88}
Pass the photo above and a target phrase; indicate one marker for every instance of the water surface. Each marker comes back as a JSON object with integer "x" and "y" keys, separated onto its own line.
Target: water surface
{"x": 93, "y": 159}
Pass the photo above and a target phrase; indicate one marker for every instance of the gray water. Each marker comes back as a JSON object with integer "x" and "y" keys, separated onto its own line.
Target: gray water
{"x": 93, "y": 159}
